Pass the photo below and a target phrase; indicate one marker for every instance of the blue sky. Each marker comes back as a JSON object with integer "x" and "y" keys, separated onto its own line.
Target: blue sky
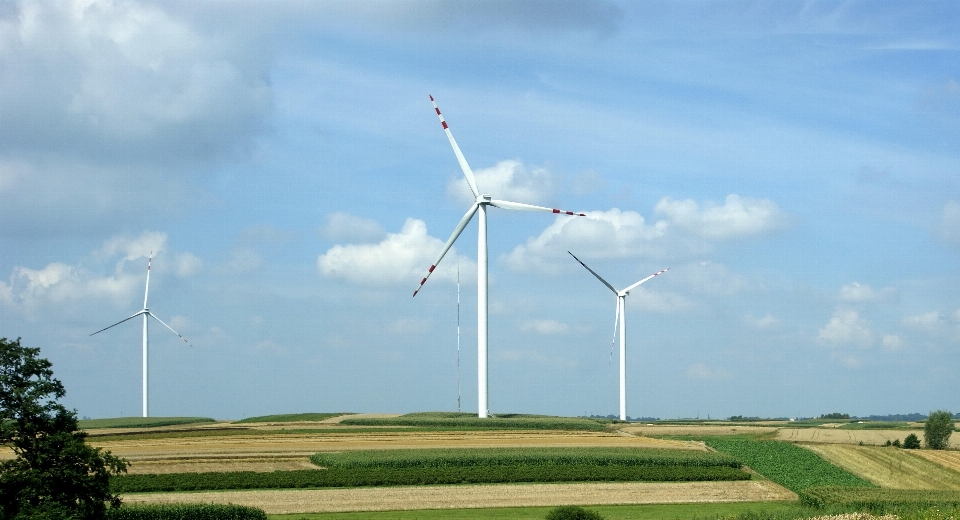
{"x": 795, "y": 164}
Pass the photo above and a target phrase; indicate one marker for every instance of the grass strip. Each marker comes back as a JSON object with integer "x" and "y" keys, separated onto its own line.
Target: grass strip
{"x": 483, "y": 457}
{"x": 140, "y": 422}
{"x": 471, "y": 422}
{"x": 418, "y": 476}
{"x": 876, "y": 498}
{"x": 786, "y": 464}
{"x": 291, "y": 417}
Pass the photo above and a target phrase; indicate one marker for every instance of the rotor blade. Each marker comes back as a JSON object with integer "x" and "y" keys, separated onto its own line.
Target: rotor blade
{"x": 616, "y": 321}
{"x": 625, "y": 291}
{"x": 118, "y": 323}
{"x": 506, "y": 204}
{"x": 467, "y": 172}
{"x": 169, "y": 327}
{"x": 453, "y": 238}
{"x": 146, "y": 291}
{"x": 594, "y": 273}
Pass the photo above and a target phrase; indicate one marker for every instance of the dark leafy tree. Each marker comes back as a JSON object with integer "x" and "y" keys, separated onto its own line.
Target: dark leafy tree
{"x": 911, "y": 442}
{"x": 937, "y": 430}
{"x": 572, "y": 513}
{"x": 56, "y": 474}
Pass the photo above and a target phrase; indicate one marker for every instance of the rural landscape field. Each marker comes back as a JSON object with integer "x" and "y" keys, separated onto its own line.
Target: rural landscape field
{"x": 447, "y": 465}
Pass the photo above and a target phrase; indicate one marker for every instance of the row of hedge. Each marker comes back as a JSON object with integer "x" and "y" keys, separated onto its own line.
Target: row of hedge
{"x": 337, "y": 477}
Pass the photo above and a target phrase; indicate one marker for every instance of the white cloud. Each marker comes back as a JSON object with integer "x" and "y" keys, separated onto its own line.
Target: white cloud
{"x": 846, "y": 327}
{"x": 545, "y": 327}
{"x": 601, "y": 234}
{"x": 862, "y": 293}
{"x": 507, "y": 180}
{"x": 133, "y": 248}
{"x": 349, "y": 228}
{"x": 738, "y": 217}
{"x": 929, "y": 321}
{"x": 702, "y": 372}
{"x": 892, "y": 342}
{"x": 187, "y": 264}
{"x": 950, "y": 222}
{"x": 400, "y": 258}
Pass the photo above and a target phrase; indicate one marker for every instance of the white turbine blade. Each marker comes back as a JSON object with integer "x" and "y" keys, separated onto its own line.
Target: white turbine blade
{"x": 594, "y": 273}
{"x": 146, "y": 291}
{"x": 169, "y": 327}
{"x": 506, "y": 204}
{"x": 118, "y": 323}
{"x": 625, "y": 291}
{"x": 453, "y": 238}
{"x": 616, "y": 321}
{"x": 467, "y": 172}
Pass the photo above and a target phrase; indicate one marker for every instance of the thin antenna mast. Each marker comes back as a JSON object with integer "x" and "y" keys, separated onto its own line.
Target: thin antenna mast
{"x": 458, "y": 336}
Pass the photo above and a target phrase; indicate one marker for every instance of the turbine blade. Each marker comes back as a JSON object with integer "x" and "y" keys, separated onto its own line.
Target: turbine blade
{"x": 169, "y": 327}
{"x": 467, "y": 172}
{"x": 594, "y": 273}
{"x": 118, "y": 323}
{"x": 453, "y": 238}
{"x": 506, "y": 204}
{"x": 616, "y": 321}
{"x": 658, "y": 273}
{"x": 146, "y": 291}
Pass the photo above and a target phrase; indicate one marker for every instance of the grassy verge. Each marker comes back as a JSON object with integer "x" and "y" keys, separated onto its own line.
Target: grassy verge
{"x": 877, "y": 499}
{"x": 786, "y": 464}
{"x": 622, "y": 512}
{"x": 472, "y": 422}
{"x": 290, "y": 417}
{"x": 140, "y": 422}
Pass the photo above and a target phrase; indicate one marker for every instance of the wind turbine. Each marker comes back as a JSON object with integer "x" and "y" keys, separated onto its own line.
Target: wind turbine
{"x": 621, "y": 317}
{"x": 479, "y": 207}
{"x": 145, "y": 312}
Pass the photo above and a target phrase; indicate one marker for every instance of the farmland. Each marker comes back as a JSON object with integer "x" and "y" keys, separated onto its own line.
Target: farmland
{"x": 890, "y": 467}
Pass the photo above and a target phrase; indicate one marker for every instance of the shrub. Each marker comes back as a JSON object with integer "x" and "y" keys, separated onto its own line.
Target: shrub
{"x": 896, "y": 443}
{"x": 911, "y": 442}
{"x": 572, "y": 513}
{"x": 186, "y": 512}
{"x": 937, "y": 430}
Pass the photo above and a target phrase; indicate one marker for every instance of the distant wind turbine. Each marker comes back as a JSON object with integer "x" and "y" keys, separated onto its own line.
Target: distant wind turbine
{"x": 479, "y": 206}
{"x": 622, "y": 319}
{"x": 145, "y": 312}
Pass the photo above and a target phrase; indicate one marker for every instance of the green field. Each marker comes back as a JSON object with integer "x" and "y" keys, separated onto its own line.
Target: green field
{"x": 290, "y": 417}
{"x": 140, "y": 422}
{"x": 450, "y": 420}
{"x": 622, "y": 512}
{"x": 877, "y": 498}
{"x": 786, "y": 464}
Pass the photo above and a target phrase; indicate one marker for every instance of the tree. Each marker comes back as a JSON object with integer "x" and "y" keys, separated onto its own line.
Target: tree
{"x": 56, "y": 474}
{"x": 911, "y": 442}
{"x": 937, "y": 430}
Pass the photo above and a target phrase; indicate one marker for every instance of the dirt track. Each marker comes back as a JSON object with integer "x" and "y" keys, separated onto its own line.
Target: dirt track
{"x": 474, "y": 496}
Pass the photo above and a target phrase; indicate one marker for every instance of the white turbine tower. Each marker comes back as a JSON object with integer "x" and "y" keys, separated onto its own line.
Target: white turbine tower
{"x": 145, "y": 312}
{"x": 622, "y": 319}
{"x": 479, "y": 206}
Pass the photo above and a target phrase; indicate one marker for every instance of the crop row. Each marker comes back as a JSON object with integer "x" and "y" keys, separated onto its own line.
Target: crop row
{"x": 786, "y": 464}
{"x": 418, "y": 476}
{"x": 185, "y": 512}
{"x": 480, "y": 457}
{"x": 489, "y": 423}
{"x": 876, "y": 498}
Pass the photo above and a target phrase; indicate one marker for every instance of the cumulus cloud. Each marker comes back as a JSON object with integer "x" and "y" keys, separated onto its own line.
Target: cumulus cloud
{"x": 929, "y": 321}
{"x": 136, "y": 247}
{"x": 862, "y": 293}
{"x": 738, "y": 217}
{"x": 507, "y": 180}
{"x": 891, "y": 342}
{"x": 350, "y": 228}
{"x": 846, "y": 328}
{"x": 400, "y": 258}
{"x": 545, "y": 327}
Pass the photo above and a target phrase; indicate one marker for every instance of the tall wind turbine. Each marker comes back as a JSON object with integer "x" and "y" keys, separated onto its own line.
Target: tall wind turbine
{"x": 622, "y": 319}
{"x": 145, "y": 312}
{"x": 479, "y": 206}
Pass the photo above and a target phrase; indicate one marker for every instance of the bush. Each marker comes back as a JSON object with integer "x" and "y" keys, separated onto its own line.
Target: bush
{"x": 186, "y": 512}
{"x": 896, "y": 443}
{"x": 937, "y": 430}
{"x": 572, "y": 513}
{"x": 911, "y": 442}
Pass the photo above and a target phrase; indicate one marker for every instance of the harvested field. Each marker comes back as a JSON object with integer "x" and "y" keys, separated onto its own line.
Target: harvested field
{"x": 889, "y": 467}
{"x": 276, "y": 451}
{"x": 478, "y": 496}
{"x": 654, "y": 430}
{"x": 947, "y": 459}
{"x": 843, "y": 436}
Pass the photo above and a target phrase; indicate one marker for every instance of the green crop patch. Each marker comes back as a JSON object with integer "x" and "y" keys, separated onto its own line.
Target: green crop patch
{"x": 291, "y": 417}
{"x": 790, "y": 466}
{"x": 140, "y": 422}
{"x": 876, "y": 498}
{"x": 448, "y": 420}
